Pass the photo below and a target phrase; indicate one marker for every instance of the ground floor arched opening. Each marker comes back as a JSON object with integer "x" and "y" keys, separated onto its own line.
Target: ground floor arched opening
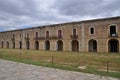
{"x": 27, "y": 45}
{"x": 7, "y": 44}
{"x": 75, "y": 45}
{"x": 2, "y": 44}
{"x": 13, "y": 45}
{"x": 47, "y": 45}
{"x": 36, "y": 45}
{"x": 113, "y": 45}
{"x": 59, "y": 45}
{"x": 92, "y": 45}
{"x": 20, "y": 45}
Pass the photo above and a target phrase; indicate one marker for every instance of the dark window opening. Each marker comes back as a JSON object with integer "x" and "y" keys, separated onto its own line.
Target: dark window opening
{"x": 74, "y": 32}
{"x": 36, "y": 34}
{"x": 59, "y": 33}
{"x": 112, "y": 29}
{"x": 91, "y": 30}
{"x": 27, "y": 35}
{"x": 47, "y": 34}
{"x": 20, "y": 35}
{"x": 13, "y": 36}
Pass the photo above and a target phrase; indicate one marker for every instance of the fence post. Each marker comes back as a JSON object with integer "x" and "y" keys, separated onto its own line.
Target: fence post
{"x": 108, "y": 66}
{"x": 52, "y": 61}
{"x": 20, "y": 56}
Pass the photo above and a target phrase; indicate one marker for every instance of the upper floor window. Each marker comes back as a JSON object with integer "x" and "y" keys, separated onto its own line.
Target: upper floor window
{"x": 36, "y": 34}
{"x": 47, "y": 34}
{"x": 27, "y": 34}
{"x": 13, "y": 36}
{"x": 59, "y": 33}
{"x": 74, "y": 31}
{"x": 92, "y": 30}
{"x": 7, "y": 36}
{"x": 112, "y": 29}
{"x": 20, "y": 35}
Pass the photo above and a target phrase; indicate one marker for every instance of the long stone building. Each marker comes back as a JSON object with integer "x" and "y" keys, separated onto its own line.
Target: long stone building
{"x": 98, "y": 35}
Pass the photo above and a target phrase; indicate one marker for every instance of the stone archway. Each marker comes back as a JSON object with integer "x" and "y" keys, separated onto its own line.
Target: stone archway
{"x": 36, "y": 45}
{"x": 47, "y": 45}
{"x": 2, "y": 44}
{"x": 75, "y": 45}
{"x": 59, "y": 45}
{"x": 113, "y": 45}
{"x": 7, "y": 44}
{"x": 27, "y": 45}
{"x": 20, "y": 45}
{"x": 92, "y": 44}
{"x": 13, "y": 45}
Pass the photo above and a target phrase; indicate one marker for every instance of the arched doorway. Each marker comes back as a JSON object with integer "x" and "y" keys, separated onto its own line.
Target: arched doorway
{"x": 2, "y": 44}
{"x": 27, "y": 44}
{"x": 36, "y": 45}
{"x": 13, "y": 44}
{"x": 7, "y": 44}
{"x": 47, "y": 45}
{"x": 75, "y": 45}
{"x": 113, "y": 45}
{"x": 92, "y": 46}
{"x": 20, "y": 45}
{"x": 59, "y": 45}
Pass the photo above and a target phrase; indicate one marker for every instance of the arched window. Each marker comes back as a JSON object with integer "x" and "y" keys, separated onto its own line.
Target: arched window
{"x": 47, "y": 34}
{"x": 92, "y": 30}
{"x": 36, "y": 34}
{"x": 59, "y": 33}
{"x": 74, "y": 32}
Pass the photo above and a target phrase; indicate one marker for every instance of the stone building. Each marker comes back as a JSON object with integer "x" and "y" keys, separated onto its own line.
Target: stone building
{"x": 98, "y": 35}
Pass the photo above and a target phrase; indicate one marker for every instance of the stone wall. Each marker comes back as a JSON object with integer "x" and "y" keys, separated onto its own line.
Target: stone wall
{"x": 99, "y": 41}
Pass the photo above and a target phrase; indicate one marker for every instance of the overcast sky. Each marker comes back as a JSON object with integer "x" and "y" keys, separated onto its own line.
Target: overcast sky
{"x": 17, "y": 14}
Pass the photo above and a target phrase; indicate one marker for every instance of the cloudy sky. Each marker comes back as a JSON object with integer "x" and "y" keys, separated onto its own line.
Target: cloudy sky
{"x": 17, "y": 14}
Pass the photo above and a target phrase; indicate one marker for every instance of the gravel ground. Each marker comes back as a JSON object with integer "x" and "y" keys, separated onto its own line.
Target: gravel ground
{"x": 10, "y": 70}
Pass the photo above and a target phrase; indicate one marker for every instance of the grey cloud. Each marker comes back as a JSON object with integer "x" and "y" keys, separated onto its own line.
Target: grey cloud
{"x": 87, "y": 7}
{"x": 17, "y": 7}
{"x": 16, "y": 14}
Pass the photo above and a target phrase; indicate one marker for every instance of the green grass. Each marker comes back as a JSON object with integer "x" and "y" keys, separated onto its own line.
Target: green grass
{"x": 67, "y": 60}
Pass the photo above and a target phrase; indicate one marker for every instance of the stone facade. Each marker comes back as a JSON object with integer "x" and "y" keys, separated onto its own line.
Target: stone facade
{"x": 99, "y": 35}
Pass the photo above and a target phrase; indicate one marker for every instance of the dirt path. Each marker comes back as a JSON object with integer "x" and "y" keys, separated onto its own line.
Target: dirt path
{"x": 19, "y": 71}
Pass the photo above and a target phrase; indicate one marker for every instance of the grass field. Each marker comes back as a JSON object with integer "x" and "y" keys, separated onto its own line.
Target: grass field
{"x": 107, "y": 64}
